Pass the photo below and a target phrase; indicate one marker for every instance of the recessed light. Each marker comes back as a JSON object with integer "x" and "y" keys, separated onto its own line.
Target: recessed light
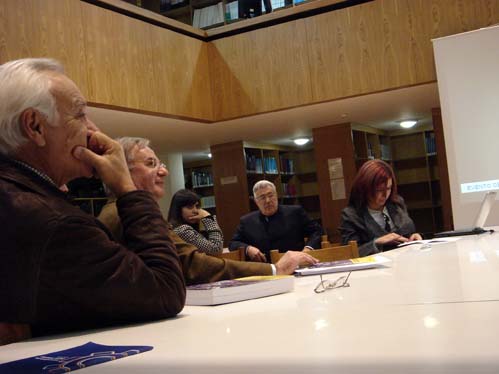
{"x": 408, "y": 124}
{"x": 301, "y": 141}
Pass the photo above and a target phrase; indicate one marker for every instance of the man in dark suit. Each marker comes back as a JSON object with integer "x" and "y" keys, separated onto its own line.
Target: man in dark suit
{"x": 274, "y": 226}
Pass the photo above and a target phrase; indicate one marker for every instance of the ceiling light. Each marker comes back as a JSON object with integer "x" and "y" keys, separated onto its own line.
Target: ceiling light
{"x": 301, "y": 141}
{"x": 407, "y": 124}
{"x": 209, "y": 155}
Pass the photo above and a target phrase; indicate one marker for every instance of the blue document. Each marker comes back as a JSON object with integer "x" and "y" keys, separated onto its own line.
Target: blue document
{"x": 72, "y": 359}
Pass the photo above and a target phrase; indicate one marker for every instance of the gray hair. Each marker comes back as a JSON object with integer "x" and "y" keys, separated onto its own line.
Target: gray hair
{"x": 24, "y": 85}
{"x": 263, "y": 184}
{"x": 130, "y": 144}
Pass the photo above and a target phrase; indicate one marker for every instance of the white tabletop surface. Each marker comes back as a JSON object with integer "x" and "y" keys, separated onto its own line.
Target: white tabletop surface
{"x": 432, "y": 310}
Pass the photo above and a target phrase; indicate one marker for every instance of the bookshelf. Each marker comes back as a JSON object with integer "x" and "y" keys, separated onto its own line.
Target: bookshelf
{"x": 292, "y": 172}
{"x": 199, "y": 178}
{"x": 300, "y": 185}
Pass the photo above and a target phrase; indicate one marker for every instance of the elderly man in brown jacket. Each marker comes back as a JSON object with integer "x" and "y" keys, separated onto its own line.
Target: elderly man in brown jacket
{"x": 61, "y": 269}
{"x": 148, "y": 173}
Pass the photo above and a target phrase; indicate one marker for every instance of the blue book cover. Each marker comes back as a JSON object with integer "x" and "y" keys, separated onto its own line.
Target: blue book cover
{"x": 80, "y": 357}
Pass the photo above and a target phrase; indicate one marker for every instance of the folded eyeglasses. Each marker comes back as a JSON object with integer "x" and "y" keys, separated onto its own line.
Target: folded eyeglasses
{"x": 327, "y": 284}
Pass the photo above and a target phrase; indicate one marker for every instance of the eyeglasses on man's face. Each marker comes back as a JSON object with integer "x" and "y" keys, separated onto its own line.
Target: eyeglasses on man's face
{"x": 152, "y": 163}
{"x": 266, "y": 196}
{"x": 327, "y": 284}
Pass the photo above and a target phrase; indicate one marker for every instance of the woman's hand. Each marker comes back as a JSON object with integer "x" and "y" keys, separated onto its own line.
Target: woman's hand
{"x": 391, "y": 238}
{"x": 201, "y": 214}
{"x": 415, "y": 236}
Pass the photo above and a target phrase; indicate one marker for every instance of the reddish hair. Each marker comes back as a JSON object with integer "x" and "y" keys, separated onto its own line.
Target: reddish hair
{"x": 372, "y": 174}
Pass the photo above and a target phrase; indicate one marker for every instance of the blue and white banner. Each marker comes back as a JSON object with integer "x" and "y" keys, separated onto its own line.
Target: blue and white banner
{"x": 71, "y": 359}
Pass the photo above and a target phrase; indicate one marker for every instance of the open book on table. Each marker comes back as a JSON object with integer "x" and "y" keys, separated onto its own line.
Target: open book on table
{"x": 344, "y": 265}
{"x": 430, "y": 241}
{"x": 229, "y": 291}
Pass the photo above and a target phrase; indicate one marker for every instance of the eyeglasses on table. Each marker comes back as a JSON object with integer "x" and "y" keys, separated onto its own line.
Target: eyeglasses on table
{"x": 326, "y": 284}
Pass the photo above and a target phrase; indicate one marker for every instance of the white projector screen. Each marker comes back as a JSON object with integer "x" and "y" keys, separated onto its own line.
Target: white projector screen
{"x": 468, "y": 82}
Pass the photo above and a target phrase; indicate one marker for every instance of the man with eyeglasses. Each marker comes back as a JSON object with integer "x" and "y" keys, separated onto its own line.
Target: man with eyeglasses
{"x": 274, "y": 226}
{"x": 148, "y": 174}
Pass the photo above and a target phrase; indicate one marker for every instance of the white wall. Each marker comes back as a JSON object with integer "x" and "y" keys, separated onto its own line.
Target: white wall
{"x": 468, "y": 81}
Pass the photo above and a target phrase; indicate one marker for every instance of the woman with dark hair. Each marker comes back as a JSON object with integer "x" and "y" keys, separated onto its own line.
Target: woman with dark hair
{"x": 193, "y": 224}
{"x": 376, "y": 216}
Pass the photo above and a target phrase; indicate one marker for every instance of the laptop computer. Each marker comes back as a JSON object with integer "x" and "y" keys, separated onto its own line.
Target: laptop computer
{"x": 477, "y": 228}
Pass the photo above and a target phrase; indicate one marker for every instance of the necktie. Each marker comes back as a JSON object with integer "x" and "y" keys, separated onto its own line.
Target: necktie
{"x": 387, "y": 223}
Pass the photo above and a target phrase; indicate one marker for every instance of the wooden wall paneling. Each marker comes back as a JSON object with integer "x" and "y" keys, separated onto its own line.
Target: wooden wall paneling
{"x": 119, "y": 59}
{"x": 268, "y": 65}
{"x": 443, "y": 171}
{"x": 364, "y": 41}
{"x": 370, "y": 47}
{"x": 381, "y": 45}
{"x": 50, "y": 28}
{"x": 410, "y": 23}
{"x": 331, "y": 66}
{"x": 230, "y": 185}
{"x": 181, "y": 74}
{"x": 333, "y": 141}
{"x": 456, "y": 16}
{"x": 229, "y": 98}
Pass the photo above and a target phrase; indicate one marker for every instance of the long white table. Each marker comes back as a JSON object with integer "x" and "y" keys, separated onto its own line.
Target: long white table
{"x": 432, "y": 310}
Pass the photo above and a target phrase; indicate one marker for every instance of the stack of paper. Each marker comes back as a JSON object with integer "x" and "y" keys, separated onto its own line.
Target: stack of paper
{"x": 344, "y": 265}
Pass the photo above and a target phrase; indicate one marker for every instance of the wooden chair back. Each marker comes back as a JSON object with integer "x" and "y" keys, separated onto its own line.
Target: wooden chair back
{"x": 335, "y": 253}
{"x": 325, "y": 241}
{"x": 237, "y": 255}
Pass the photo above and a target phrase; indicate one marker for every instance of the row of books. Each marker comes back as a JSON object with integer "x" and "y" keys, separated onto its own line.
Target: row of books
{"x": 287, "y": 165}
{"x": 386, "y": 152}
{"x": 289, "y": 189}
{"x": 255, "y": 164}
{"x": 270, "y": 165}
{"x": 201, "y": 178}
{"x": 431, "y": 146}
{"x": 208, "y": 202}
{"x": 232, "y": 11}
{"x": 207, "y": 16}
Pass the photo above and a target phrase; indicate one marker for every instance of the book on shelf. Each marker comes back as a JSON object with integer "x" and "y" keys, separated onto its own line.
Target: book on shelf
{"x": 207, "y": 16}
{"x": 254, "y": 163}
{"x": 288, "y": 189}
{"x": 232, "y": 11}
{"x": 207, "y": 202}
{"x": 270, "y": 165}
{"x": 230, "y": 291}
{"x": 201, "y": 179}
{"x": 287, "y": 166}
{"x": 344, "y": 265}
{"x": 431, "y": 147}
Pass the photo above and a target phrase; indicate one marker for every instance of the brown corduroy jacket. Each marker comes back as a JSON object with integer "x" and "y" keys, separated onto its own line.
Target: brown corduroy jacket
{"x": 197, "y": 267}
{"x": 62, "y": 270}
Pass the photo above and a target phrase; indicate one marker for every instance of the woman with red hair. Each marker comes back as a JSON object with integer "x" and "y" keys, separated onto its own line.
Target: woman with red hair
{"x": 376, "y": 216}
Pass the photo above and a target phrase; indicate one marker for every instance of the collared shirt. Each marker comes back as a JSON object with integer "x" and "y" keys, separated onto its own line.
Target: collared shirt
{"x": 36, "y": 171}
{"x": 378, "y": 216}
